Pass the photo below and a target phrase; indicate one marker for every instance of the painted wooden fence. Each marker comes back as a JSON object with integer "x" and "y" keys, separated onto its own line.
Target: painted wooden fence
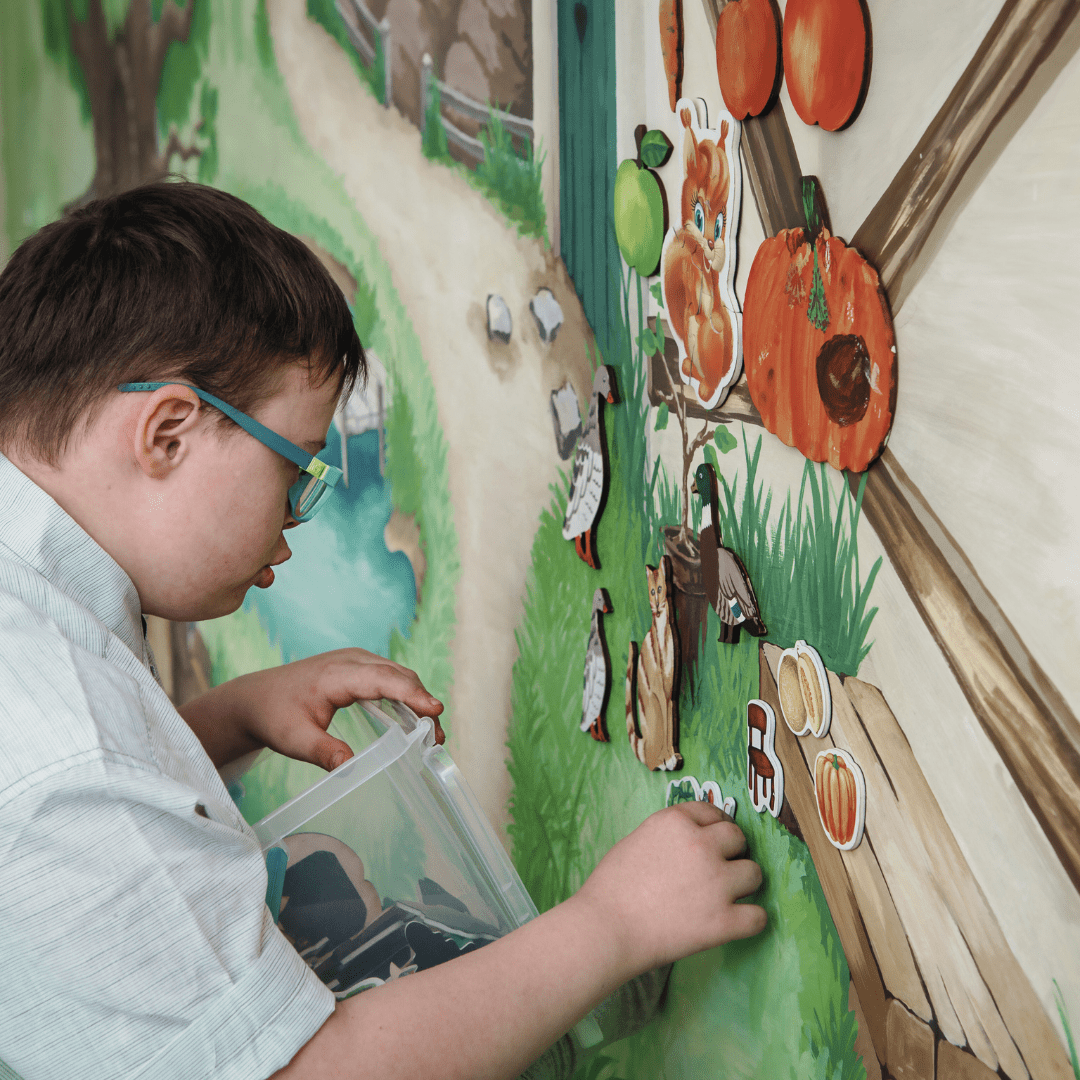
{"x": 467, "y": 106}
{"x": 356, "y": 17}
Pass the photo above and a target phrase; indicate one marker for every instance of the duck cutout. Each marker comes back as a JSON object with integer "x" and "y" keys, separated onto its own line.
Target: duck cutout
{"x": 589, "y": 482}
{"x": 764, "y": 773}
{"x": 727, "y": 584}
{"x": 594, "y": 698}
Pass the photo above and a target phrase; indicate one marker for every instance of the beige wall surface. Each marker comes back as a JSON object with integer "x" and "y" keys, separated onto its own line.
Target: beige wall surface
{"x": 987, "y": 422}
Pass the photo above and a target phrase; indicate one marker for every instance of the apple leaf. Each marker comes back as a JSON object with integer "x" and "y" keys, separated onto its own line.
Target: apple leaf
{"x": 710, "y": 457}
{"x": 724, "y": 440}
{"x": 655, "y": 148}
{"x": 661, "y": 417}
{"x": 657, "y": 293}
{"x": 648, "y": 343}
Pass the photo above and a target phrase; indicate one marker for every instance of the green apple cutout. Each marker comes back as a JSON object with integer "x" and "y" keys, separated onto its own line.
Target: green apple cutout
{"x": 641, "y": 216}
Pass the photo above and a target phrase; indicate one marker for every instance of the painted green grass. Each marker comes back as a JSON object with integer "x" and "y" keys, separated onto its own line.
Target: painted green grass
{"x": 772, "y": 1006}
{"x": 507, "y": 177}
{"x": 1074, "y": 1059}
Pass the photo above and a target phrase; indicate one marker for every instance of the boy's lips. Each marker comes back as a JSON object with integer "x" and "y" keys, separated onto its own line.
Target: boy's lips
{"x": 265, "y": 578}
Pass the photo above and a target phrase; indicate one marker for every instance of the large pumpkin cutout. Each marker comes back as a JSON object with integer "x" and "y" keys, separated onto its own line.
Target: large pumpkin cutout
{"x": 748, "y": 56}
{"x": 818, "y": 345}
{"x": 840, "y": 790}
{"x": 827, "y": 59}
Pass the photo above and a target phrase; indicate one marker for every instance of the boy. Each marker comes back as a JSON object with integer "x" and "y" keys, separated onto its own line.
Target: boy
{"x": 139, "y": 340}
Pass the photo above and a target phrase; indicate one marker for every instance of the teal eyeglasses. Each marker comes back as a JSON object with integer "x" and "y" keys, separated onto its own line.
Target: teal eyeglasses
{"x": 307, "y": 494}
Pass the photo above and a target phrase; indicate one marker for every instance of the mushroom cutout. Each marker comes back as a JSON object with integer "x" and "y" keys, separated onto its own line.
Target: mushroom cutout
{"x": 805, "y": 697}
{"x": 840, "y": 792}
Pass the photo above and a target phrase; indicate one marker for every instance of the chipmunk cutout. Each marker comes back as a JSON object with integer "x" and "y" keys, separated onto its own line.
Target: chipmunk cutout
{"x": 698, "y": 261}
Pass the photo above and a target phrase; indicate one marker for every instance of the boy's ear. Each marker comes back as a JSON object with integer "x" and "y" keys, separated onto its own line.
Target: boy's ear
{"x": 163, "y": 429}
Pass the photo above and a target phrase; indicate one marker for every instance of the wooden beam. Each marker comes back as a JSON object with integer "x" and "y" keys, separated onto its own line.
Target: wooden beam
{"x": 906, "y": 227}
{"x": 1019, "y": 708}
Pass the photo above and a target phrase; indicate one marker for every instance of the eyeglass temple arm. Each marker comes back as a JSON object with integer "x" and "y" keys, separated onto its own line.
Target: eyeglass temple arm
{"x": 272, "y": 439}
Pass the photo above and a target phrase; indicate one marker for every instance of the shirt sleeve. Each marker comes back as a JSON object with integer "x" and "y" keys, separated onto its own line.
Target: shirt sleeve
{"x": 134, "y": 936}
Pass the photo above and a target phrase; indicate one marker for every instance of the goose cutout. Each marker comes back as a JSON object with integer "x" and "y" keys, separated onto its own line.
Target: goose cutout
{"x": 594, "y": 698}
{"x": 589, "y": 482}
{"x": 727, "y": 584}
{"x": 764, "y": 773}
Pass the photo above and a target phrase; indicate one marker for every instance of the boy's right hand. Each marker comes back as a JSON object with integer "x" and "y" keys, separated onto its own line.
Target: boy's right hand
{"x": 669, "y": 888}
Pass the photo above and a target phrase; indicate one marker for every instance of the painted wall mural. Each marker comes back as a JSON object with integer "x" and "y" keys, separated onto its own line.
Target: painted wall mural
{"x": 857, "y": 726}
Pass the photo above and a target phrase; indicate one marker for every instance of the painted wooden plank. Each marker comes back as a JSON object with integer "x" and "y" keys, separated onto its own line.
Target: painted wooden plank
{"x": 956, "y": 1064}
{"x": 885, "y": 932}
{"x": 905, "y": 227}
{"x": 911, "y": 1044}
{"x": 863, "y": 1045}
{"x": 954, "y": 935}
{"x": 843, "y": 904}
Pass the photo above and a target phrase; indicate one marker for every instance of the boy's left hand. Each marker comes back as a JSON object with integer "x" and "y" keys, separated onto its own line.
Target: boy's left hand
{"x": 289, "y": 708}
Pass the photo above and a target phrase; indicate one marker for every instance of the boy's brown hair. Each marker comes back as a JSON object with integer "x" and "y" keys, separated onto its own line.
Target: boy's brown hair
{"x": 169, "y": 280}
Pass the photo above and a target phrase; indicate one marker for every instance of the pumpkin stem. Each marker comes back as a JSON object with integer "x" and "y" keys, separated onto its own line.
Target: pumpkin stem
{"x": 818, "y": 310}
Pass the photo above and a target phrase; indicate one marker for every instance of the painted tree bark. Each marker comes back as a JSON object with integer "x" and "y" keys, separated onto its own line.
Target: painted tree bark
{"x": 122, "y": 78}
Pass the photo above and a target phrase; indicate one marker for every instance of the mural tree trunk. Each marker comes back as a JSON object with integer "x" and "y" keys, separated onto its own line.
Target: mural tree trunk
{"x": 123, "y": 72}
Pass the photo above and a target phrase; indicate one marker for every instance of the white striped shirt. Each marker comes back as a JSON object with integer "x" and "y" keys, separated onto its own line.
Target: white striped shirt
{"x": 134, "y": 937}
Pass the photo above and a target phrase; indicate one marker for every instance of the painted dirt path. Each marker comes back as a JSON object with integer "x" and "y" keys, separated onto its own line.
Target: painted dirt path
{"x": 447, "y": 248}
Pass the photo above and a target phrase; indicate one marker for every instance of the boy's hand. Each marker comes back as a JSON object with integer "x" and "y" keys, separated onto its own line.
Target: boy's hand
{"x": 289, "y": 708}
{"x": 669, "y": 888}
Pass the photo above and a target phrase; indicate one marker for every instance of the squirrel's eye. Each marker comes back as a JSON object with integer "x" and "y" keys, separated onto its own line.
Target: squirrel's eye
{"x": 699, "y": 218}
{"x": 717, "y": 232}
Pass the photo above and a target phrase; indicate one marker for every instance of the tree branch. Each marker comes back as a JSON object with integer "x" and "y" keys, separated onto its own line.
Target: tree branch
{"x": 175, "y": 146}
{"x": 174, "y": 25}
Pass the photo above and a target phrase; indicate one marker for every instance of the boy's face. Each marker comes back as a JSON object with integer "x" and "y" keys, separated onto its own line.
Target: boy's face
{"x": 218, "y": 528}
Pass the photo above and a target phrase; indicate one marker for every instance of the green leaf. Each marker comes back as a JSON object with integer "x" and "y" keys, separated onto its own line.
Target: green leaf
{"x": 661, "y": 417}
{"x": 648, "y": 343}
{"x": 655, "y": 148}
{"x": 724, "y": 440}
{"x": 817, "y": 310}
{"x": 710, "y": 457}
{"x": 657, "y": 293}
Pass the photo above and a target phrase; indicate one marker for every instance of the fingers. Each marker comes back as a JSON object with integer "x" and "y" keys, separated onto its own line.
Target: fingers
{"x": 745, "y": 920}
{"x": 703, "y": 813}
{"x": 311, "y": 743}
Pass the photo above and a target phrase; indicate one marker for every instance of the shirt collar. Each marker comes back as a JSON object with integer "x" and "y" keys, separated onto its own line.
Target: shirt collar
{"x": 38, "y": 531}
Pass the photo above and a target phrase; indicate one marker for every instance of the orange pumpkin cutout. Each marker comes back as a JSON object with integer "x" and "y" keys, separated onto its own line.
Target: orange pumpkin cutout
{"x": 818, "y": 344}
{"x": 840, "y": 789}
{"x": 748, "y": 56}
{"x": 827, "y": 51}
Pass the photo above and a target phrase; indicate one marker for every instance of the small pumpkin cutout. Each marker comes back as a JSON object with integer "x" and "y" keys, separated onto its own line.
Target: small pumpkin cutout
{"x": 827, "y": 52}
{"x": 805, "y": 697}
{"x": 818, "y": 344}
{"x": 840, "y": 790}
{"x": 748, "y": 56}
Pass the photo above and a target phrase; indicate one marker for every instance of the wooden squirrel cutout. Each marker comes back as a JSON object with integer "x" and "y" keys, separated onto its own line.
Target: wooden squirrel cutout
{"x": 698, "y": 261}
{"x": 652, "y": 679}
